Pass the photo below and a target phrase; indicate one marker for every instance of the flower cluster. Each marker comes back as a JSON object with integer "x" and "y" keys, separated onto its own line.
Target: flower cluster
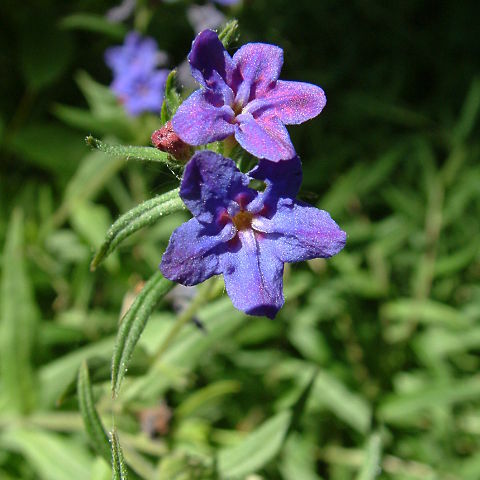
{"x": 245, "y": 234}
{"x": 137, "y": 82}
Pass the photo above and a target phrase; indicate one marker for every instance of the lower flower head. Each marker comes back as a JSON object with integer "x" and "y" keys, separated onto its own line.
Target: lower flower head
{"x": 246, "y": 235}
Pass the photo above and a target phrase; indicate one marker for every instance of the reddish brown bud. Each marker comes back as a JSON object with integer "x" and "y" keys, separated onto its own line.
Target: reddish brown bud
{"x": 166, "y": 140}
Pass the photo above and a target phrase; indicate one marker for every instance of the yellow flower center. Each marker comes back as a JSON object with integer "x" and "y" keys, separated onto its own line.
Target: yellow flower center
{"x": 237, "y": 109}
{"x": 242, "y": 220}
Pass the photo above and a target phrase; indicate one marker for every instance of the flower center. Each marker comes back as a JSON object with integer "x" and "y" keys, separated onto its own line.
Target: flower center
{"x": 237, "y": 108}
{"x": 242, "y": 220}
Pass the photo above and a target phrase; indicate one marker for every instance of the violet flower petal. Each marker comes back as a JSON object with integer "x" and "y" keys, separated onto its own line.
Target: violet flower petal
{"x": 193, "y": 252}
{"x": 291, "y": 102}
{"x": 257, "y": 67}
{"x": 202, "y": 118}
{"x": 264, "y": 137}
{"x": 301, "y": 232}
{"x": 210, "y": 183}
{"x": 253, "y": 275}
{"x": 207, "y": 56}
{"x": 139, "y": 54}
{"x": 282, "y": 179}
{"x": 227, "y": 2}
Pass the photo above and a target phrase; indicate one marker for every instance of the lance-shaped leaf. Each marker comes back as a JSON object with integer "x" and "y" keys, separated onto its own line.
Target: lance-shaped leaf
{"x": 256, "y": 450}
{"x": 371, "y": 467}
{"x": 172, "y": 98}
{"x": 229, "y": 32}
{"x": 18, "y": 316}
{"x": 119, "y": 467}
{"x": 144, "y": 214}
{"x": 133, "y": 324}
{"x": 93, "y": 424}
{"x": 148, "y": 154}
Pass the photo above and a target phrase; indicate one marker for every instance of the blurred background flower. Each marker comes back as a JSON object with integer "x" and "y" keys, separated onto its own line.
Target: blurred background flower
{"x": 137, "y": 83}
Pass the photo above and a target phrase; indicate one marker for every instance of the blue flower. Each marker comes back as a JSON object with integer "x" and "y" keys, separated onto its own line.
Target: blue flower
{"x": 137, "y": 83}
{"x": 242, "y": 96}
{"x": 246, "y": 235}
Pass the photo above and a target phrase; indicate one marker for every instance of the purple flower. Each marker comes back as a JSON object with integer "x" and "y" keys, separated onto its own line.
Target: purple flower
{"x": 141, "y": 91}
{"x": 246, "y": 235}
{"x": 137, "y": 83}
{"x": 242, "y": 96}
{"x": 137, "y": 54}
{"x": 227, "y": 2}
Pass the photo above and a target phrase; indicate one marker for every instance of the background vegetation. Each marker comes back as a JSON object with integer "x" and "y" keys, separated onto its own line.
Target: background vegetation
{"x": 369, "y": 371}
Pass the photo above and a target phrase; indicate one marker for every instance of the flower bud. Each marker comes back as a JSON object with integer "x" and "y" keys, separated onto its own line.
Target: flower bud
{"x": 166, "y": 140}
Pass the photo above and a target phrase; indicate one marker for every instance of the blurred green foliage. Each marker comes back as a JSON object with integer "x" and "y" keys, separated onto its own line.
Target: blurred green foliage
{"x": 369, "y": 371}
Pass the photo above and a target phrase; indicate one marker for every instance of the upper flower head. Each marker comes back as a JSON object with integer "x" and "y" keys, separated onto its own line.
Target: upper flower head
{"x": 246, "y": 235}
{"x": 137, "y": 83}
{"x": 242, "y": 96}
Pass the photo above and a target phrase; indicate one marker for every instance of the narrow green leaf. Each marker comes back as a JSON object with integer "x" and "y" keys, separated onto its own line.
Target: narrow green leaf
{"x": 205, "y": 396}
{"x": 18, "y": 321}
{"x": 330, "y": 393}
{"x": 401, "y": 407}
{"x": 371, "y": 465}
{"x": 172, "y": 98}
{"x": 437, "y": 343}
{"x": 119, "y": 467}
{"x": 133, "y": 324}
{"x": 141, "y": 153}
{"x": 299, "y": 457}
{"x": 425, "y": 311}
{"x": 91, "y": 419}
{"x": 144, "y": 214}
{"x": 255, "y": 450}
{"x": 99, "y": 97}
{"x": 93, "y": 23}
{"x": 229, "y": 33}
{"x": 51, "y": 455}
{"x": 113, "y": 123}
{"x": 469, "y": 113}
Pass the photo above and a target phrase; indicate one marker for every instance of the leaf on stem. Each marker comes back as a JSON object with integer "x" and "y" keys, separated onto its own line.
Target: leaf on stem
{"x": 148, "y": 154}
{"x": 119, "y": 467}
{"x": 172, "y": 98}
{"x": 93, "y": 424}
{"x": 229, "y": 33}
{"x": 133, "y": 324}
{"x": 144, "y": 214}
